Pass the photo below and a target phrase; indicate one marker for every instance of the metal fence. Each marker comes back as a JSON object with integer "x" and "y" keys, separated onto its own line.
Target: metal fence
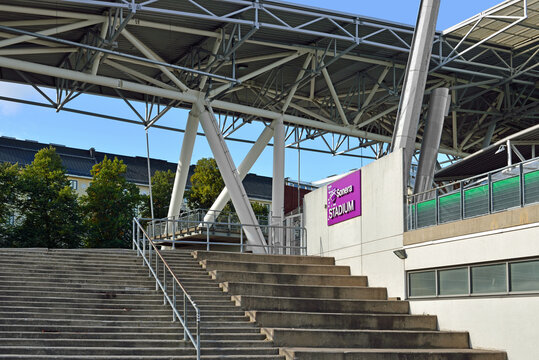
{"x": 510, "y": 187}
{"x": 191, "y": 229}
{"x": 169, "y": 284}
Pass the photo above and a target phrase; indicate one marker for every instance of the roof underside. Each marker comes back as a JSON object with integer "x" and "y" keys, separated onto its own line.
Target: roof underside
{"x": 494, "y": 84}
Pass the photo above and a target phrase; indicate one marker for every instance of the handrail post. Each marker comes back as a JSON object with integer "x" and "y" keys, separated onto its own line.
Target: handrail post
{"x": 207, "y": 237}
{"x": 198, "y": 333}
{"x": 462, "y": 212}
{"x": 521, "y": 184}
{"x": 164, "y": 285}
{"x": 241, "y": 239}
{"x": 133, "y": 235}
{"x": 184, "y": 316}
{"x": 174, "y": 299}
{"x": 489, "y": 187}
{"x": 173, "y": 233}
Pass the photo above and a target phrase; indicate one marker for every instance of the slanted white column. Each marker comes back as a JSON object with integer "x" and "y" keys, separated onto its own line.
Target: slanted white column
{"x": 277, "y": 191}
{"x": 243, "y": 169}
{"x": 413, "y": 89}
{"x": 232, "y": 179}
{"x": 182, "y": 170}
{"x": 438, "y": 110}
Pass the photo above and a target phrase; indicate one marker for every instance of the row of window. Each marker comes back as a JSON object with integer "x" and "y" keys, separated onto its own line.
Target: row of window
{"x": 499, "y": 278}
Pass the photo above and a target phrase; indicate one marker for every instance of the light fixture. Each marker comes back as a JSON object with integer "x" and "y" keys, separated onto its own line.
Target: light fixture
{"x": 401, "y": 254}
{"x": 242, "y": 66}
{"x": 500, "y": 149}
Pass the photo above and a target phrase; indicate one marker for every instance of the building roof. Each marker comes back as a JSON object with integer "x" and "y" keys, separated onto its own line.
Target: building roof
{"x": 492, "y": 157}
{"x": 79, "y": 162}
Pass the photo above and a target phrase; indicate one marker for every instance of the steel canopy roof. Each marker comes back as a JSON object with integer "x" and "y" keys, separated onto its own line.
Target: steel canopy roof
{"x": 259, "y": 53}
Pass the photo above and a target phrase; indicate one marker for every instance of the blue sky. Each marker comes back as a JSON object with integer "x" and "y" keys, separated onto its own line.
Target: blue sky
{"x": 45, "y": 125}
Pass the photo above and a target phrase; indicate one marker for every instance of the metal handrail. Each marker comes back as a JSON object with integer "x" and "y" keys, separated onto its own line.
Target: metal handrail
{"x": 138, "y": 230}
{"x": 168, "y": 228}
{"x": 460, "y": 187}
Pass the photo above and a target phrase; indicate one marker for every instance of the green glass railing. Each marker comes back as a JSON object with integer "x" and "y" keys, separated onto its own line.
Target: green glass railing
{"x": 501, "y": 190}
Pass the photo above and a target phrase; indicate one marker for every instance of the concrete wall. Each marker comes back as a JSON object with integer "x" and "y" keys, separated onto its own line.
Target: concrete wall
{"x": 365, "y": 243}
{"x": 497, "y": 322}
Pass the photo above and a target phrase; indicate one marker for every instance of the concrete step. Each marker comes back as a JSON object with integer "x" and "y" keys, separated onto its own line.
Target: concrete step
{"x": 253, "y": 302}
{"x": 172, "y": 327}
{"x": 54, "y": 322}
{"x": 299, "y": 279}
{"x": 67, "y": 309}
{"x": 275, "y": 268}
{"x": 130, "y": 357}
{"x": 273, "y": 259}
{"x": 132, "y": 343}
{"x": 59, "y": 279}
{"x": 54, "y": 256}
{"x": 86, "y": 293}
{"x": 131, "y": 353}
{"x": 124, "y": 317}
{"x": 324, "y": 338}
{"x": 49, "y": 263}
{"x": 390, "y": 354}
{"x": 82, "y": 301}
{"x": 305, "y": 291}
{"x": 177, "y": 335}
{"x": 309, "y": 320}
{"x": 60, "y": 284}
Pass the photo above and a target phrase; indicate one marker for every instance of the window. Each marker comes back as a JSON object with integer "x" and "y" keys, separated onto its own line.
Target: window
{"x": 422, "y": 283}
{"x": 453, "y": 281}
{"x": 489, "y": 279}
{"x": 74, "y": 184}
{"x": 505, "y": 277}
{"x": 525, "y": 276}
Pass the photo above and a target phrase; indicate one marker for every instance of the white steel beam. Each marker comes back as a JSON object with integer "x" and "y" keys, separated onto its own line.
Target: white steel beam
{"x": 54, "y": 30}
{"x": 256, "y": 73}
{"x": 103, "y": 34}
{"x": 334, "y": 94}
{"x": 192, "y": 97}
{"x": 153, "y": 56}
{"x": 188, "y": 143}
{"x": 296, "y": 84}
{"x": 232, "y": 179}
{"x": 372, "y": 92}
{"x": 243, "y": 169}
{"x": 277, "y": 188}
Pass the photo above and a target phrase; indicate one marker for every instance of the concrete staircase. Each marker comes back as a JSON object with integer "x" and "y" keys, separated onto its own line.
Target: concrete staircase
{"x": 101, "y": 304}
{"x": 312, "y": 309}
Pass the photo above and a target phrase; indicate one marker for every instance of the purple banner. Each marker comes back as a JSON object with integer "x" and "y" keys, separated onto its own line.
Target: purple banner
{"x": 344, "y": 198}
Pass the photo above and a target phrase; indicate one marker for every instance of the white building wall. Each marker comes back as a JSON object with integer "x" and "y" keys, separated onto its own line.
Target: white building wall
{"x": 507, "y": 323}
{"x": 365, "y": 243}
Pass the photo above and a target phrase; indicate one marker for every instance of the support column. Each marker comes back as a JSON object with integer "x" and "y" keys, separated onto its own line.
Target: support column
{"x": 438, "y": 110}
{"x": 184, "y": 162}
{"x": 277, "y": 191}
{"x": 232, "y": 179}
{"x": 414, "y": 83}
{"x": 243, "y": 169}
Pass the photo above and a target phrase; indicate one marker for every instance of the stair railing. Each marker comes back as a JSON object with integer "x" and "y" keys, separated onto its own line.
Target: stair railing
{"x": 164, "y": 276}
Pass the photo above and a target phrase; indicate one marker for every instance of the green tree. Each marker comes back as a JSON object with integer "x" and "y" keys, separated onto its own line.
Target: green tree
{"x": 206, "y": 184}
{"x": 110, "y": 204}
{"x": 9, "y": 177}
{"x": 49, "y": 214}
{"x": 162, "y": 184}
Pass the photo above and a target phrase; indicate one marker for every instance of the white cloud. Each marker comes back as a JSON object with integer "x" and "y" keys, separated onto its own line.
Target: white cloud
{"x": 17, "y": 91}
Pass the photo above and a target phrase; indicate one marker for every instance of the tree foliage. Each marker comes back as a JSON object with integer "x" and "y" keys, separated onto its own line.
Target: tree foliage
{"x": 48, "y": 212}
{"x": 162, "y": 184}
{"x": 206, "y": 184}
{"x": 9, "y": 177}
{"x": 110, "y": 204}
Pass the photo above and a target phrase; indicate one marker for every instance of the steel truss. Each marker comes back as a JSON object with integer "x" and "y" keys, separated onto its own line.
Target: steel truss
{"x": 333, "y": 77}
